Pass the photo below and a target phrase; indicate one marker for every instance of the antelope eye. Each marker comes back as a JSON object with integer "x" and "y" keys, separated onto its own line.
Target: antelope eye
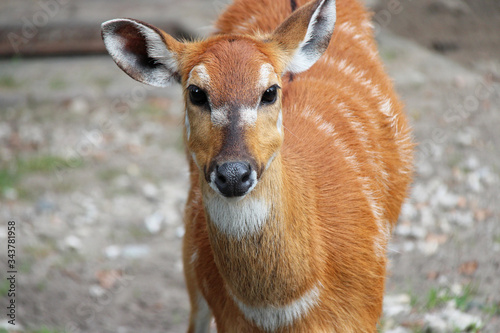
{"x": 197, "y": 96}
{"x": 269, "y": 96}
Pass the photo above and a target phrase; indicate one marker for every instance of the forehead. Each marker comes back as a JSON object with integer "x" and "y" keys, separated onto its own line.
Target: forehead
{"x": 233, "y": 69}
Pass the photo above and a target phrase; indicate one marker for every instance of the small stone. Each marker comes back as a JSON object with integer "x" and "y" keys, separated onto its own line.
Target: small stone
{"x": 150, "y": 190}
{"x": 474, "y": 182}
{"x": 464, "y": 138}
{"x": 79, "y": 106}
{"x": 427, "y": 217}
{"x": 419, "y": 194}
{"x": 408, "y": 211}
{"x": 112, "y": 251}
{"x": 408, "y": 246}
{"x": 456, "y": 289}
{"x": 396, "y": 304}
{"x": 472, "y": 163}
{"x": 424, "y": 168}
{"x": 428, "y": 248}
{"x": 154, "y": 221}
{"x": 73, "y": 242}
{"x": 444, "y": 198}
{"x": 135, "y": 251}
{"x": 180, "y": 231}
{"x": 435, "y": 322}
{"x": 96, "y": 291}
{"x": 460, "y": 320}
{"x": 465, "y": 219}
{"x": 403, "y": 230}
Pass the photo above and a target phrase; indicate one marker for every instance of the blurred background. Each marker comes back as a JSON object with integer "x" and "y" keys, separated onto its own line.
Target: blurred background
{"x": 92, "y": 168}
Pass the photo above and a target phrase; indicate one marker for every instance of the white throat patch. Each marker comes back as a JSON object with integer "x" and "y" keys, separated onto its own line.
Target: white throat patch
{"x": 237, "y": 218}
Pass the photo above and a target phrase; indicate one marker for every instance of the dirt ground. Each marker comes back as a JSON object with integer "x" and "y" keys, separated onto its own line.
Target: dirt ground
{"x": 93, "y": 173}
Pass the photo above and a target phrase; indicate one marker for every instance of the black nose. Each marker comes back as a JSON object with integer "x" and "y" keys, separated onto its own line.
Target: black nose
{"x": 233, "y": 179}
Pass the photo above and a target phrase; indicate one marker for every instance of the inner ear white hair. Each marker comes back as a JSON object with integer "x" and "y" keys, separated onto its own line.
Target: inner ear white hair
{"x": 306, "y": 34}
{"x": 142, "y": 51}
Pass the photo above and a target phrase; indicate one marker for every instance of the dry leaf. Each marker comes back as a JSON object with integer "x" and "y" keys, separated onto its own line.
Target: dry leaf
{"x": 468, "y": 267}
{"x": 108, "y": 278}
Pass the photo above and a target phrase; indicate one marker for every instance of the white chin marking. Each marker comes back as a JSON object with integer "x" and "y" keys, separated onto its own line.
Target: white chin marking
{"x": 271, "y": 318}
{"x": 237, "y": 217}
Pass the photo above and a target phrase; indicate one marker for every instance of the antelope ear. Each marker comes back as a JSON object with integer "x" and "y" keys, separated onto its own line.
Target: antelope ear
{"x": 304, "y": 36}
{"x": 144, "y": 52}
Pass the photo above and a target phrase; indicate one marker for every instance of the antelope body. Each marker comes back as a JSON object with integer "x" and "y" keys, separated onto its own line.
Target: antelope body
{"x": 299, "y": 157}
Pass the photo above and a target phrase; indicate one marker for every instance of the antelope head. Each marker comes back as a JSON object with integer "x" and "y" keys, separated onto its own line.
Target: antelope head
{"x": 232, "y": 88}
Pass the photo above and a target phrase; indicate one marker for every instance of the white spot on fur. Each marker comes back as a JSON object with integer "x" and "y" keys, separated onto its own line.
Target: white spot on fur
{"x": 245, "y": 25}
{"x": 219, "y": 117}
{"x": 193, "y": 156}
{"x": 271, "y": 318}
{"x": 279, "y": 123}
{"x": 248, "y": 116}
{"x": 271, "y": 159}
{"x": 386, "y": 107}
{"x": 203, "y": 316}
{"x": 265, "y": 72}
{"x": 194, "y": 257}
{"x": 362, "y": 40}
{"x": 237, "y": 218}
{"x": 202, "y": 74}
{"x": 188, "y": 126}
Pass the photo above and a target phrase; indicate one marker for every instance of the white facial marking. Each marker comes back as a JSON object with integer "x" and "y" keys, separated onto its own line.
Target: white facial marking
{"x": 266, "y": 70}
{"x": 202, "y": 74}
{"x": 219, "y": 117}
{"x": 248, "y": 116}
{"x": 188, "y": 126}
{"x": 271, "y": 318}
{"x": 271, "y": 159}
{"x": 203, "y": 316}
{"x": 193, "y": 155}
{"x": 237, "y": 218}
{"x": 279, "y": 123}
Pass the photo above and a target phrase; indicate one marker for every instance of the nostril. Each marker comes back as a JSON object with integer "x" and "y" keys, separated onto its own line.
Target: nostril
{"x": 222, "y": 179}
{"x": 246, "y": 177}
